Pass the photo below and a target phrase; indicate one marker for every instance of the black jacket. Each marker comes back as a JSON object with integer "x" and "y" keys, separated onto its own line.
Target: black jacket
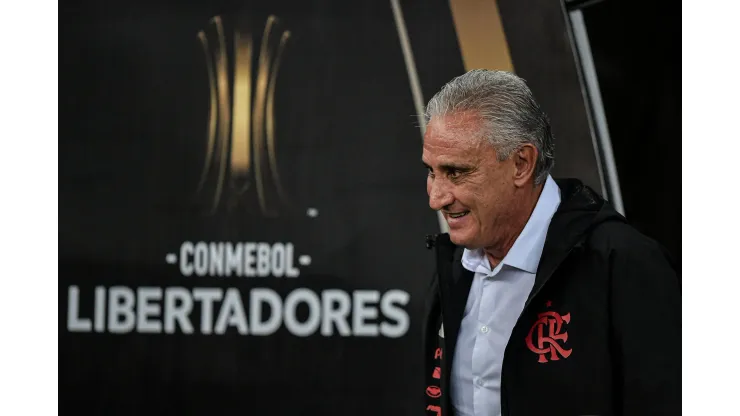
{"x": 600, "y": 333}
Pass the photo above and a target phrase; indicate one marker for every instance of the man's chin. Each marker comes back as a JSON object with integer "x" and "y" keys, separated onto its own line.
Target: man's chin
{"x": 463, "y": 239}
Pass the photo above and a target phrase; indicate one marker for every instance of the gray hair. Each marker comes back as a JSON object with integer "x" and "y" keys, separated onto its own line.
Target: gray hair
{"x": 511, "y": 116}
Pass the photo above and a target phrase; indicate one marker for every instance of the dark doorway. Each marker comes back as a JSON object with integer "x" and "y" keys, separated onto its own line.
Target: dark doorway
{"x": 636, "y": 48}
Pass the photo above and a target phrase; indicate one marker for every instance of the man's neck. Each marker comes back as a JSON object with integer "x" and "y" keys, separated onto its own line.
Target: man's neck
{"x": 496, "y": 253}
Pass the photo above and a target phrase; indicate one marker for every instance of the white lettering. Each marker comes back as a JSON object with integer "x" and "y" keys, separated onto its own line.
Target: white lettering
{"x": 277, "y": 260}
{"x": 155, "y": 310}
{"x": 74, "y": 322}
{"x": 234, "y": 259}
{"x": 257, "y": 297}
{"x": 207, "y": 296}
{"x": 99, "y": 309}
{"x": 249, "y": 259}
{"x": 147, "y": 309}
{"x": 120, "y": 309}
{"x": 331, "y": 315}
{"x": 201, "y": 258}
{"x": 216, "y": 260}
{"x": 186, "y": 249}
{"x": 290, "y": 271}
{"x": 363, "y": 311}
{"x": 314, "y": 310}
{"x": 263, "y": 259}
{"x": 396, "y": 313}
{"x": 232, "y": 313}
{"x": 177, "y": 312}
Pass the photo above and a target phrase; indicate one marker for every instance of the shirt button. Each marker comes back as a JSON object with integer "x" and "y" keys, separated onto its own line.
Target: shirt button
{"x": 479, "y": 382}
{"x": 484, "y": 329}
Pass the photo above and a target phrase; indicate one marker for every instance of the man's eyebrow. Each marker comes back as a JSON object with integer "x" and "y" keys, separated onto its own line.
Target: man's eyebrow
{"x": 450, "y": 167}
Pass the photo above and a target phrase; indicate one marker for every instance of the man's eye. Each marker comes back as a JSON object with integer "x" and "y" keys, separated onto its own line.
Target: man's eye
{"x": 430, "y": 172}
{"x": 454, "y": 174}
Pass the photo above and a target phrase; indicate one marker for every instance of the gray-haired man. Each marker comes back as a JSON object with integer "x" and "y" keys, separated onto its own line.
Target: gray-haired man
{"x": 545, "y": 301}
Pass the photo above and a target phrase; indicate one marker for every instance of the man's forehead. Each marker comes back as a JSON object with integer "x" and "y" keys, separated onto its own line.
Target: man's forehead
{"x": 454, "y": 129}
{"x": 452, "y": 152}
{"x": 459, "y": 131}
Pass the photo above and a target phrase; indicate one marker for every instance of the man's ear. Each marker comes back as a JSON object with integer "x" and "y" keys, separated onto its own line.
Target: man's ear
{"x": 525, "y": 159}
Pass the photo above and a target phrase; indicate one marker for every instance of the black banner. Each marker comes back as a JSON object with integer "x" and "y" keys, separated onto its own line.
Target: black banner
{"x": 242, "y": 207}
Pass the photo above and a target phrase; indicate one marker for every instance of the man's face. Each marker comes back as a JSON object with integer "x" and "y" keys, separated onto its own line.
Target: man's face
{"x": 473, "y": 190}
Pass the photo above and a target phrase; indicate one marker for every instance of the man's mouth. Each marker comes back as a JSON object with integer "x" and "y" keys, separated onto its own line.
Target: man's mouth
{"x": 458, "y": 214}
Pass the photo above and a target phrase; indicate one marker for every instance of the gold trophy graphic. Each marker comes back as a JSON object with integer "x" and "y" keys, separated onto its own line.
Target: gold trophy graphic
{"x": 240, "y": 157}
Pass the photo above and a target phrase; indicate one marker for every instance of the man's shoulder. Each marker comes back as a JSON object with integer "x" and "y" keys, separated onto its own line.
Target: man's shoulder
{"x": 623, "y": 242}
{"x": 620, "y": 235}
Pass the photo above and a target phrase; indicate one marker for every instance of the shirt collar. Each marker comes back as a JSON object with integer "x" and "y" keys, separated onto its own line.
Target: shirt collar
{"x": 527, "y": 249}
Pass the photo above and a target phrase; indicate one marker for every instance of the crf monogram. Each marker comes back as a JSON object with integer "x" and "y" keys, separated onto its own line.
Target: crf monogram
{"x": 541, "y": 342}
{"x": 240, "y": 153}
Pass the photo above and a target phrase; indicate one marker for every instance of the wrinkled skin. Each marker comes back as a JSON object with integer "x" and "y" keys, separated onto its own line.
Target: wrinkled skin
{"x": 465, "y": 176}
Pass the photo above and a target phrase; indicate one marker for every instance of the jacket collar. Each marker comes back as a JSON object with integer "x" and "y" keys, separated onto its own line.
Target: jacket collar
{"x": 580, "y": 210}
{"x": 527, "y": 249}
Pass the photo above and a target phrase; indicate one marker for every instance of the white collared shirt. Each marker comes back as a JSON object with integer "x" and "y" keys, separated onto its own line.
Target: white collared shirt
{"x": 495, "y": 301}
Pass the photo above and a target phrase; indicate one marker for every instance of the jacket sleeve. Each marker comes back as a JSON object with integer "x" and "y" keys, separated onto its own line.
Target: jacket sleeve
{"x": 646, "y": 330}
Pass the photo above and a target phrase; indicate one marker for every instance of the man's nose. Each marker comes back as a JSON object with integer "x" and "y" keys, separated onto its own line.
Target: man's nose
{"x": 439, "y": 196}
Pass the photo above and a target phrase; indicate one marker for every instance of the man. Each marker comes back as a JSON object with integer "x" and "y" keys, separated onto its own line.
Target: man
{"x": 544, "y": 301}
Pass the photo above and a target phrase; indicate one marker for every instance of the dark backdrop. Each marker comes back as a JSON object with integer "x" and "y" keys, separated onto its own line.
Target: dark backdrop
{"x": 637, "y": 52}
{"x": 133, "y": 118}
